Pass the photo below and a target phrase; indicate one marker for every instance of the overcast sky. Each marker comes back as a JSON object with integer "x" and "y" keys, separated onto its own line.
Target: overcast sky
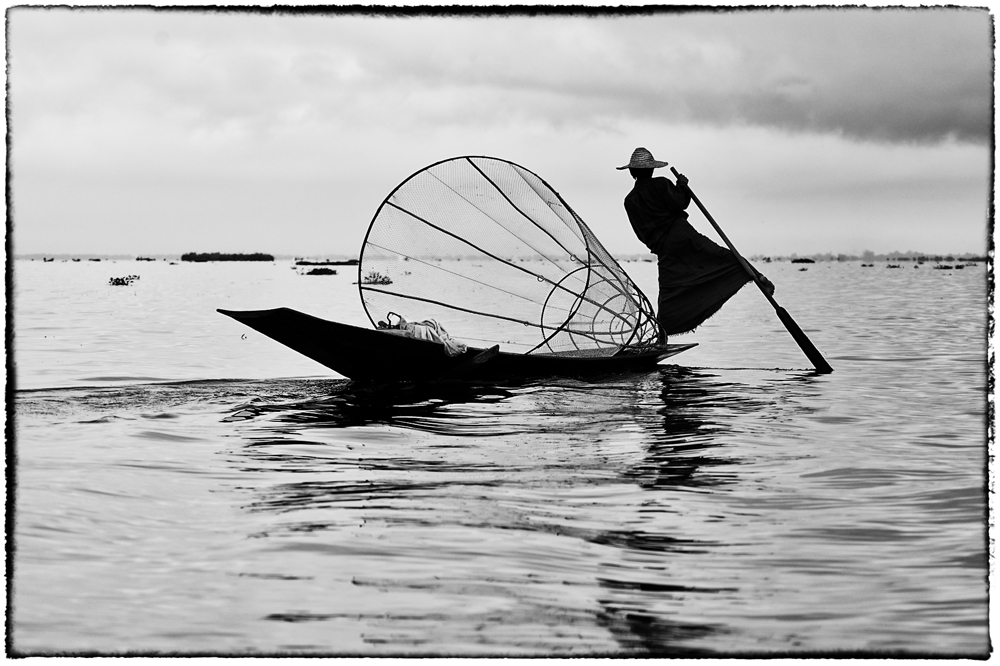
{"x": 803, "y": 131}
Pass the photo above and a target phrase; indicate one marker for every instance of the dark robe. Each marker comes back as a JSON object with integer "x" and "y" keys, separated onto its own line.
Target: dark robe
{"x": 696, "y": 276}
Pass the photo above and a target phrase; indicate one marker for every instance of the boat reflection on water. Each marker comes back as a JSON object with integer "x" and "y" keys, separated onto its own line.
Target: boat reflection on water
{"x": 342, "y": 404}
{"x": 644, "y": 609}
{"x": 580, "y": 504}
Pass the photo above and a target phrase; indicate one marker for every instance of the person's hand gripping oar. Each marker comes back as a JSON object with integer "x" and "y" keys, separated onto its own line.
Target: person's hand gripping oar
{"x": 766, "y": 288}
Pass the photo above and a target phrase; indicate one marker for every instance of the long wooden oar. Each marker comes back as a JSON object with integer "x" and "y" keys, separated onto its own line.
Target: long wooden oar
{"x": 805, "y": 344}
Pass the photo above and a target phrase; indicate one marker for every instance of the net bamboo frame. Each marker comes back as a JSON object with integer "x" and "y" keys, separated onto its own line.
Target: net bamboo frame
{"x": 497, "y": 256}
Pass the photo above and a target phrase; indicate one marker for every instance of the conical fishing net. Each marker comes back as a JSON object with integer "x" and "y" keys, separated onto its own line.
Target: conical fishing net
{"x": 491, "y": 252}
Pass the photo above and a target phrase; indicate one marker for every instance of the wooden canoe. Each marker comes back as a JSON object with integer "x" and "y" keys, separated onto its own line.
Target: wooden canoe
{"x": 376, "y": 355}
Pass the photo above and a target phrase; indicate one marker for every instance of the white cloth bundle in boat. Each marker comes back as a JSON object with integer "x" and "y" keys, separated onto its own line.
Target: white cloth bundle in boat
{"x": 431, "y": 330}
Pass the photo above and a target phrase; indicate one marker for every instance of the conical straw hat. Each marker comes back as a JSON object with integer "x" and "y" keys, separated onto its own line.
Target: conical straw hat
{"x": 642, "y": 159}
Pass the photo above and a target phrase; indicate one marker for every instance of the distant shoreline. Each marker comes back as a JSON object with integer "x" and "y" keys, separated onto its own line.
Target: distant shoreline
{"x": 224, "y": 256}
{"x": 341, "y": 260}
{"x": 332, "y": 259}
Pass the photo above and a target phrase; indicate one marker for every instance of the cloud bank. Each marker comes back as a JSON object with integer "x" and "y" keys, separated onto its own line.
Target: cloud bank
{"x": 196, "y": 130}
{"x": 884, "y": 75}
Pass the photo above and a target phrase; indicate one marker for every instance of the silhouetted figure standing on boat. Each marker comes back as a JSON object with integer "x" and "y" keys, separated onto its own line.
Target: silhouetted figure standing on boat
{"x": 695, "y": 276}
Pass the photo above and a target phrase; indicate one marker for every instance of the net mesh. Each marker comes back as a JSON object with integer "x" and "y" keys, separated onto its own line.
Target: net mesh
{"x": 495, "y": 255}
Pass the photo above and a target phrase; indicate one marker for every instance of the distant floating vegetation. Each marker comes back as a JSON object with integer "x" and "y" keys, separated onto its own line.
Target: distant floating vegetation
{"x": 122, "y": 281}
{"x": 145, "y": 259}
{"x": 321, "y": 271}
{"x": 374, "y": 277}
{"x": 346, "y": 262}
{"x": 220, "y": 256}
{"x": 869, "y": 258}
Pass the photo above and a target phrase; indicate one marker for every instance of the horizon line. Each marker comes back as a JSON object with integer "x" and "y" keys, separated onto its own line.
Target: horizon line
{"x": 865, "y": 255}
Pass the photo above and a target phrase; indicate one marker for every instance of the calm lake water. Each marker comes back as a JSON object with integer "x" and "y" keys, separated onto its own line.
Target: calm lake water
{"x": 184, "y": 484}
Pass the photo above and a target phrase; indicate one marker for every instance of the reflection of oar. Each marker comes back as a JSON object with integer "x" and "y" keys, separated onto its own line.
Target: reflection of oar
{"x": 465, "y": 368}
{"x": 804, "y": 343}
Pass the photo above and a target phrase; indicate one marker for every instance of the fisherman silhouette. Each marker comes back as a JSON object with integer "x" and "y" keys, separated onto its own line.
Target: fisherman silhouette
{"x": 695, "y": 275}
